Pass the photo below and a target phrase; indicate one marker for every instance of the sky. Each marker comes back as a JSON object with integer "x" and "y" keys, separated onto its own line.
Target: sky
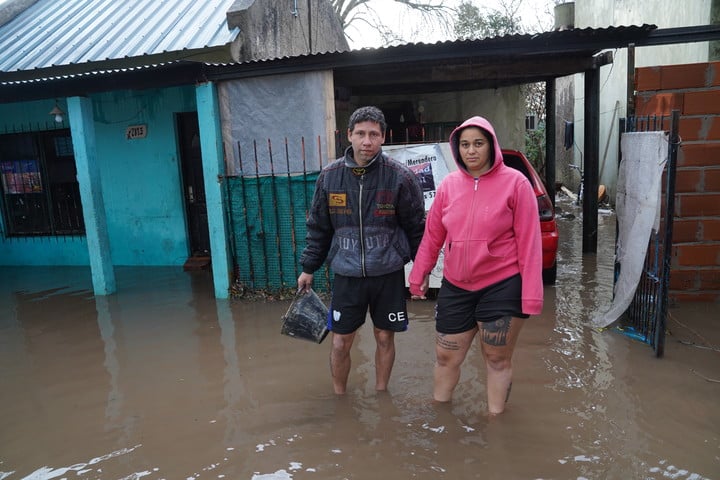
{"x": 535, "y": 14}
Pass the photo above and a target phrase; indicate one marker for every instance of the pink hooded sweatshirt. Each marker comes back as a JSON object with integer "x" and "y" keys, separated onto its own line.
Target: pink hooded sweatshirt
{"x": 489, "y": 227}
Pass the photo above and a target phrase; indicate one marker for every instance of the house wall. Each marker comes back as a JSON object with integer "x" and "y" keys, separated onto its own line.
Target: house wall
{"x": 501, "y": 106}
{"x": 140, "y": 179}
{"x": 694, "y": 89}
{"x": 613, "y": 78}
{"x": 260, "y": 114}
{"x": 271, "y": 29}
{"x": 26, "y": 117}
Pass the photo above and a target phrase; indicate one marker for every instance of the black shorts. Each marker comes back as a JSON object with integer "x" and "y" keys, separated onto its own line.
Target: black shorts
{"x": 353, "y": 296}
{"x": 459, "y": 310}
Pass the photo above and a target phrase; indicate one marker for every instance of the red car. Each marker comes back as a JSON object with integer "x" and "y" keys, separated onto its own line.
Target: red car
{"x": 548, "y": 227}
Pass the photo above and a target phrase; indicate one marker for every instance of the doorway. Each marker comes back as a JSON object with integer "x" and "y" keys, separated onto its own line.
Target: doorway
{"x": 193, "y": 189}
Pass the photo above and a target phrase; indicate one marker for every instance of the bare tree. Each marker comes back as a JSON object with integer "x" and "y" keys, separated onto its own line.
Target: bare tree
{"x": 354, "y": 12}
{"x": 471, "y": 22}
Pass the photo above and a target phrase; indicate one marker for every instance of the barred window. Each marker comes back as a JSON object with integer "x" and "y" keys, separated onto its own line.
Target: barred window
{"x": 40, "y": 192}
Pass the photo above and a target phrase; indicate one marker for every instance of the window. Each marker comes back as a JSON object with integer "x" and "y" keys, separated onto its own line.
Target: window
{"x": 40, "y": 193}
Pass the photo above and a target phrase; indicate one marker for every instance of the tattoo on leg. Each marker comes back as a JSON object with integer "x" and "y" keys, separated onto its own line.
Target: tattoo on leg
{"x": 445, "y": 343}
{"x": 507, "y": 396}
{"x": 495, "y": 333}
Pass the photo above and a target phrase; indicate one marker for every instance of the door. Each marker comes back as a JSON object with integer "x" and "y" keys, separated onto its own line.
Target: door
{"x": 193, "y": 183}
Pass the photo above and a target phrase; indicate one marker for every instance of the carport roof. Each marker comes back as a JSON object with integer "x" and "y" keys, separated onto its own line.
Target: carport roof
{"x": 458, "y": 65}
{"x": 410, "y": 68}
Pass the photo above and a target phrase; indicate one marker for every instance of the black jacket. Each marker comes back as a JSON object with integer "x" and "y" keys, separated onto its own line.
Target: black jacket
{"x": 366, "y": 221}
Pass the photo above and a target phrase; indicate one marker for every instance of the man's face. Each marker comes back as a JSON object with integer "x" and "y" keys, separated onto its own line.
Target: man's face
{"x": 366, "y": 139}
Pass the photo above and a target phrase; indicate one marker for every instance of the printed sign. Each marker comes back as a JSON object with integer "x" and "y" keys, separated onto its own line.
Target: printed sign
{"x": 430, "y": 165}
{"x": 20, "y": 176}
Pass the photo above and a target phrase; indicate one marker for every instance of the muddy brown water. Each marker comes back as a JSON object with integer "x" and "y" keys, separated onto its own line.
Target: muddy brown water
{"x": 162, "y": 381}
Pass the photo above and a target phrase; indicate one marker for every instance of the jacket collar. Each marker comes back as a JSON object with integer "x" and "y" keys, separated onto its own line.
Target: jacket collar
{"x": 351, "y": 163}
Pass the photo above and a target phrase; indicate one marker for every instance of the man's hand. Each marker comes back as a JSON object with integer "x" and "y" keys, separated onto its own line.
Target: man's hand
{"x": 305, "y": 281}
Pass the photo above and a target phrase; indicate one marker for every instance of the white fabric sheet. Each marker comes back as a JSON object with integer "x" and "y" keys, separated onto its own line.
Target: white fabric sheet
{"x": 638, "y": 203}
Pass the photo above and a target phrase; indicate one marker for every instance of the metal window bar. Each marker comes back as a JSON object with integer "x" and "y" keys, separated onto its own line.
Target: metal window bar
{"x": 646, "y": 317}
{"x": 55, "y": 212}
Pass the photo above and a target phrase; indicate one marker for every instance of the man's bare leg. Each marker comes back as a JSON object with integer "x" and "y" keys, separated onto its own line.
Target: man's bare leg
{"x": 340, "y": 361}
{"x": 384, "y": 357}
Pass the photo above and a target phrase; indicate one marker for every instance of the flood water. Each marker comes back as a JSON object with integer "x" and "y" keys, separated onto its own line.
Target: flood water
{"x": 162, "y": 381}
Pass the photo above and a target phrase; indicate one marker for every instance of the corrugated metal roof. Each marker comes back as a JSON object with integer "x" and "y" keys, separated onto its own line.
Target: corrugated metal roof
{"x": 65, "y": 32}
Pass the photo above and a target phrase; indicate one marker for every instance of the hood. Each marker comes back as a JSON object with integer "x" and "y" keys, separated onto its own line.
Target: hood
{"x": 485, "y": 125}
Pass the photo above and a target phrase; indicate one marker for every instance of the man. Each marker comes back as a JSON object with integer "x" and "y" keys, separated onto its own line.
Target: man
{"x": 366, "y": 220}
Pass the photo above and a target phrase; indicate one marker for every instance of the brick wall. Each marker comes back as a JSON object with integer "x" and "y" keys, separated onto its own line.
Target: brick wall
{"x": 694, "y": 89}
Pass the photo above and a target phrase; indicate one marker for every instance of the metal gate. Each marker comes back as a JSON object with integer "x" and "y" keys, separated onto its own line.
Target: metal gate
{"x": 645, "y": 318}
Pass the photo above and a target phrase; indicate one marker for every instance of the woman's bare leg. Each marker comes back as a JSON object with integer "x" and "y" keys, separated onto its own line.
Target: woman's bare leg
{"x": 450, "y": 352}
{"x": 498, "y": 339}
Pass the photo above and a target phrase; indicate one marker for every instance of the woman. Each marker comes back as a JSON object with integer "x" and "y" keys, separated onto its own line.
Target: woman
{"x": 485, "y": 215}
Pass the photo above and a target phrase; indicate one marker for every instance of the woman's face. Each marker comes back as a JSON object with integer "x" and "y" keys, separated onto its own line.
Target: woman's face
{"x": 475, "y": 149}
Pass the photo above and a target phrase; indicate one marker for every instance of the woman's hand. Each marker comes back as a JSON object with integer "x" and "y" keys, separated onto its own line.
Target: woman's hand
{"x": 418, "y": 291}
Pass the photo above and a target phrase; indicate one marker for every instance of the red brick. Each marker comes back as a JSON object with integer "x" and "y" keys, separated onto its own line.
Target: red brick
{"x": 697, "y": 255}
{"x": 697, "y": 204}
{"x": 682, "y": 279}
{"x": 689, "y": 75}
{"x": 712, "y": 180}
{"x": 713, "y": 132}
{"x": 699, "y": 103}
{"x": 658, "y": 103}
{"x": 703, "y": 297}
{"x": 714, "y": 73}
{"x": 710, "y": 229}
{"x": 687, "y": 180}
{"x": 647, "y": 78}
{"x": 709, "y": 279}
{"x": 691, "y": 129}
{"x": 698, "y": 154}
{"x": 699, "y": 128}
{"x": 686, "y": 231}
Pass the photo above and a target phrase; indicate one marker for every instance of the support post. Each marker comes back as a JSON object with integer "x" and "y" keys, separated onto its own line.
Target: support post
{"x": 80, "y": 114}
{"x": 213, "y": 160}
{"x": 591, "y": 164}
{"x": 550, "y": 137}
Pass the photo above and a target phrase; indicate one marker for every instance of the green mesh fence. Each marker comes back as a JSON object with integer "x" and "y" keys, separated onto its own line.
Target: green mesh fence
{"x": 267, "y": 220}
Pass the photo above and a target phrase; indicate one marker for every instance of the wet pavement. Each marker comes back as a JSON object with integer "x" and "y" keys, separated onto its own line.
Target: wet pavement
{"x": 162, "y": 381}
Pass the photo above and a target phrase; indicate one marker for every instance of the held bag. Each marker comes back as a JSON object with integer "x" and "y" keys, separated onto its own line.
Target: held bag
{"x": 306, "y": 318}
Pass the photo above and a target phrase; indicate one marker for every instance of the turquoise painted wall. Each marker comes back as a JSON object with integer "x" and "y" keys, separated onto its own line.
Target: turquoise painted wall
{"x": 141, "y": 180}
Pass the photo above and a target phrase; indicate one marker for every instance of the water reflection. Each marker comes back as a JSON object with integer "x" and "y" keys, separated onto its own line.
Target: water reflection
{"x": 163, "y": 381}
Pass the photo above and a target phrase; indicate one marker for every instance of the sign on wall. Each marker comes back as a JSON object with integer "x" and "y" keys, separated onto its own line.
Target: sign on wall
{"x": 135, "y": 131}
{"x": 430, "y": 165}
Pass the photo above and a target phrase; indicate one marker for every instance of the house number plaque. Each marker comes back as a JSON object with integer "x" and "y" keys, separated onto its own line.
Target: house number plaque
{"x": 136, "y": 131}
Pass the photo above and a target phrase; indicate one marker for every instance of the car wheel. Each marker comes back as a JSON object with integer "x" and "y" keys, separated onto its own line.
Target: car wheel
{"x": 549, "y": 275}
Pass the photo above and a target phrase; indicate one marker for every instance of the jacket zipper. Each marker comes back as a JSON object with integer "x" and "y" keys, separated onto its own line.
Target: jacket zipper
{"x": 467, "y": 234}
{"x": 360, "y": 218}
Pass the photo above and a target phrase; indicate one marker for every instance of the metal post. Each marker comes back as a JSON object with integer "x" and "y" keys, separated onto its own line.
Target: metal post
{"x": 550, "y": 137}
{"x": 592, "y": 153}
{"x": 674, "y": 141}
